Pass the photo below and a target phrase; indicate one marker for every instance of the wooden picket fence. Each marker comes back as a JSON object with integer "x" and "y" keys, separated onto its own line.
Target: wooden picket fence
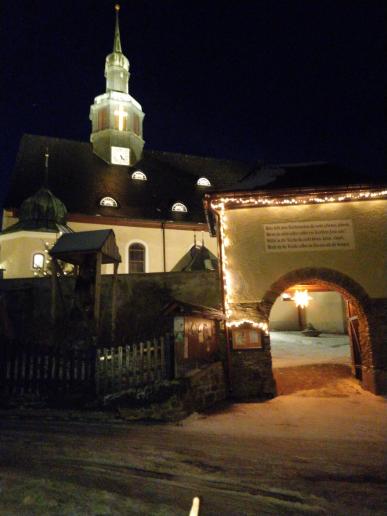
{"x": 46, "y": 372}
{"x": 132, "y": 366}
{"x": 51, "y": 373}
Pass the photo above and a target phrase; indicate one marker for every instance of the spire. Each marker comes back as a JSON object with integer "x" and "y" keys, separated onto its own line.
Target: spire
{"x": 116, "y": 64}
{"x": 117, "y": 40}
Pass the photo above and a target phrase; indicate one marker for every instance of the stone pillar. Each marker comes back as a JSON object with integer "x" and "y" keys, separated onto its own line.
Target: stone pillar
{"x": 375, "y": 374}
{"x": 251, "y": 374}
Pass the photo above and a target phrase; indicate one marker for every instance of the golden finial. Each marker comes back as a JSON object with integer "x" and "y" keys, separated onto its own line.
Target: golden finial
{"x": 117, "y": 7}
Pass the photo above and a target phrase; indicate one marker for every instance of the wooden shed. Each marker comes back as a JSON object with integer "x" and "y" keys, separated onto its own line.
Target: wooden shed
{"x": 196, "y": 332}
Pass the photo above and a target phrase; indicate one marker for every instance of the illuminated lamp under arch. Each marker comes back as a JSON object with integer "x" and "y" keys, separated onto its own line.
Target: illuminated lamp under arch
{"x": 179, "y": 207}
{"x": 138, "y": 175}
{"x": 108, "y": 202}
{"x": 203, "y": 181}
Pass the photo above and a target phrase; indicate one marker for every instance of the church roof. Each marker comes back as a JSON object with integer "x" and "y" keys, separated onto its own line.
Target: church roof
{"x": 314, "y": 175}
{"x": 81, "y": 179}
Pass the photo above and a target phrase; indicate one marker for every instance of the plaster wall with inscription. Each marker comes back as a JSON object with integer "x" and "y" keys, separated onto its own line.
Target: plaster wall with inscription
{"x": 269, "y": 242}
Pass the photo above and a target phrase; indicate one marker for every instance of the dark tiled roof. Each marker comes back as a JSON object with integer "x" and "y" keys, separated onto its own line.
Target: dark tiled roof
{"x": 198, "y": 258}
{"x": 300, "y": 175}
{"x": 80, "y": 180}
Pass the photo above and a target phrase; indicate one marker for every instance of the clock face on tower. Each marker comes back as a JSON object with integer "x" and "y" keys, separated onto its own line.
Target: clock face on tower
{"x": 120, "y": 156}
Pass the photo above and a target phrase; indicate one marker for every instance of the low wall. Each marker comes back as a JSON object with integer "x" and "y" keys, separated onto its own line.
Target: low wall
{"x": 172, "y": 401}
{"x": 25, "y": 303}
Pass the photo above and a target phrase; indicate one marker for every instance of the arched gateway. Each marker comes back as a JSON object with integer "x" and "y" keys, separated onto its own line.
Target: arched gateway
{"x": 364, "y": 343}
{"x": 273, "y": 235}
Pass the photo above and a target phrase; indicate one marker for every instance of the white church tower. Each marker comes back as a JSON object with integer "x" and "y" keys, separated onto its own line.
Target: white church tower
{"x": 116, "y": 117}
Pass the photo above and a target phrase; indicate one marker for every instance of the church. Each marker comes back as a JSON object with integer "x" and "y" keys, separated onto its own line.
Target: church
{"x": 152, "y": 199}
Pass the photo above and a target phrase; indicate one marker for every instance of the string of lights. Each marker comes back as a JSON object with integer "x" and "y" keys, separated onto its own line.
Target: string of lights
{"x": 297, "y": 200}
{"x": 223, "y": 203}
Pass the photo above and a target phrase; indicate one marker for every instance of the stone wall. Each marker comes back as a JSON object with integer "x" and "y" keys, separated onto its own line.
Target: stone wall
{"x": 26, "y": 302}
{"x": 375, "y": 375}
{"x": 251, "y": 374}
{"x": 207, "y": 386}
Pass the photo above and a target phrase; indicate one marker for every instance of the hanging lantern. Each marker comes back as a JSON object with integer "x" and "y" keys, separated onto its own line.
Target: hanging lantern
{"x": 301, "y": 298}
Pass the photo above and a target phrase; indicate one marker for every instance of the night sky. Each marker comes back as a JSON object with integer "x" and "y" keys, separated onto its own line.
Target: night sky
{"x": 279, "y": 81}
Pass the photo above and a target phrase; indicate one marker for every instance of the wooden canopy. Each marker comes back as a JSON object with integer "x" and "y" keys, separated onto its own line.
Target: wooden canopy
{"x": 75, "y": 247}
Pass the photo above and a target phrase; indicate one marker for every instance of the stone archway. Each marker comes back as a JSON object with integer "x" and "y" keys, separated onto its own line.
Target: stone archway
{"x": 351, "y": 291}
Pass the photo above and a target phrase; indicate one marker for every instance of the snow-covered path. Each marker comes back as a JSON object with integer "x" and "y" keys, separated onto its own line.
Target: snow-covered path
{"x": 292, "y": 348}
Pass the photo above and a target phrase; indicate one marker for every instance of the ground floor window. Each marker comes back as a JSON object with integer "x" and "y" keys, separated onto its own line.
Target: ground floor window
{"x": 38, "y": 261}
{"x": 136, "y": 258}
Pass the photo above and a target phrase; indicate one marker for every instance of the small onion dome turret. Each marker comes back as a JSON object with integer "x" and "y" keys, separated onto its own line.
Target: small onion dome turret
{"x": 41, "y": 212}
{"x": 44, "y": 209}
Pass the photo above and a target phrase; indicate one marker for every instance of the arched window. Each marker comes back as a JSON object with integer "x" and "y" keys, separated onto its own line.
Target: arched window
{"x": 38, "y": 261}
{"x": 139, "y": 175}
{"x": 203, "y": 181}
{"x": 136, "y": 258}
{"x": 180, "y": 207}
{"x": 109, "y": 202}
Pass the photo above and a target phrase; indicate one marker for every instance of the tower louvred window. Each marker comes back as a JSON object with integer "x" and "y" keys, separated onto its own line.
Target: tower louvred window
{"x": 102, "y": 119}
{"x": 136, "y": 124}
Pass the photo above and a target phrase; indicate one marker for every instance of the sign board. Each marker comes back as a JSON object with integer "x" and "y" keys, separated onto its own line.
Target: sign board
{"x": 249, "y": 338}
{"x": 315, "y": 235}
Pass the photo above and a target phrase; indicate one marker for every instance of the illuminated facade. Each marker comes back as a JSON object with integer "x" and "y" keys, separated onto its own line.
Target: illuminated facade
{"x": 151, "y": 199}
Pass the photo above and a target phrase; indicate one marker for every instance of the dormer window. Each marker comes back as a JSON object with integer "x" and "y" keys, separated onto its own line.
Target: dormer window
{"x": 179, "y": 207}
{"x": 203, "y": 181}
{"x": 138, "y": 175}
{"x": 108, "y": 202}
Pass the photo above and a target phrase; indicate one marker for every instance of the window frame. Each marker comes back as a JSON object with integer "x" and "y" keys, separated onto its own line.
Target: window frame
{"x": 146, "y": 256}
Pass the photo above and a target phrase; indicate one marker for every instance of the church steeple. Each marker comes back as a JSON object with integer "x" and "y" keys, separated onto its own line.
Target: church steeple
{"x": 117, "y": 65}
{"x": 116, "y": 116}
{"x": 117, "y": 40}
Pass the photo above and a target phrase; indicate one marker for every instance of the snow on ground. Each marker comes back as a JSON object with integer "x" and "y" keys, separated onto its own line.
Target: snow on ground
{"x": 319, "y": 398}
{"x": 357, "y": 416}
{"x": 292, "y": 348}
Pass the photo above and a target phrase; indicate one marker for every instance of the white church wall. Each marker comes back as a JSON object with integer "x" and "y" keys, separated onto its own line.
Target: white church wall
{"x": 16, "y": 249}
{"x": 177, "y": 243}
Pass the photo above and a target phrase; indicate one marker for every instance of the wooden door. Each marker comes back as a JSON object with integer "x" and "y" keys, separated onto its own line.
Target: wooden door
{"x": 354, "y": 336}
